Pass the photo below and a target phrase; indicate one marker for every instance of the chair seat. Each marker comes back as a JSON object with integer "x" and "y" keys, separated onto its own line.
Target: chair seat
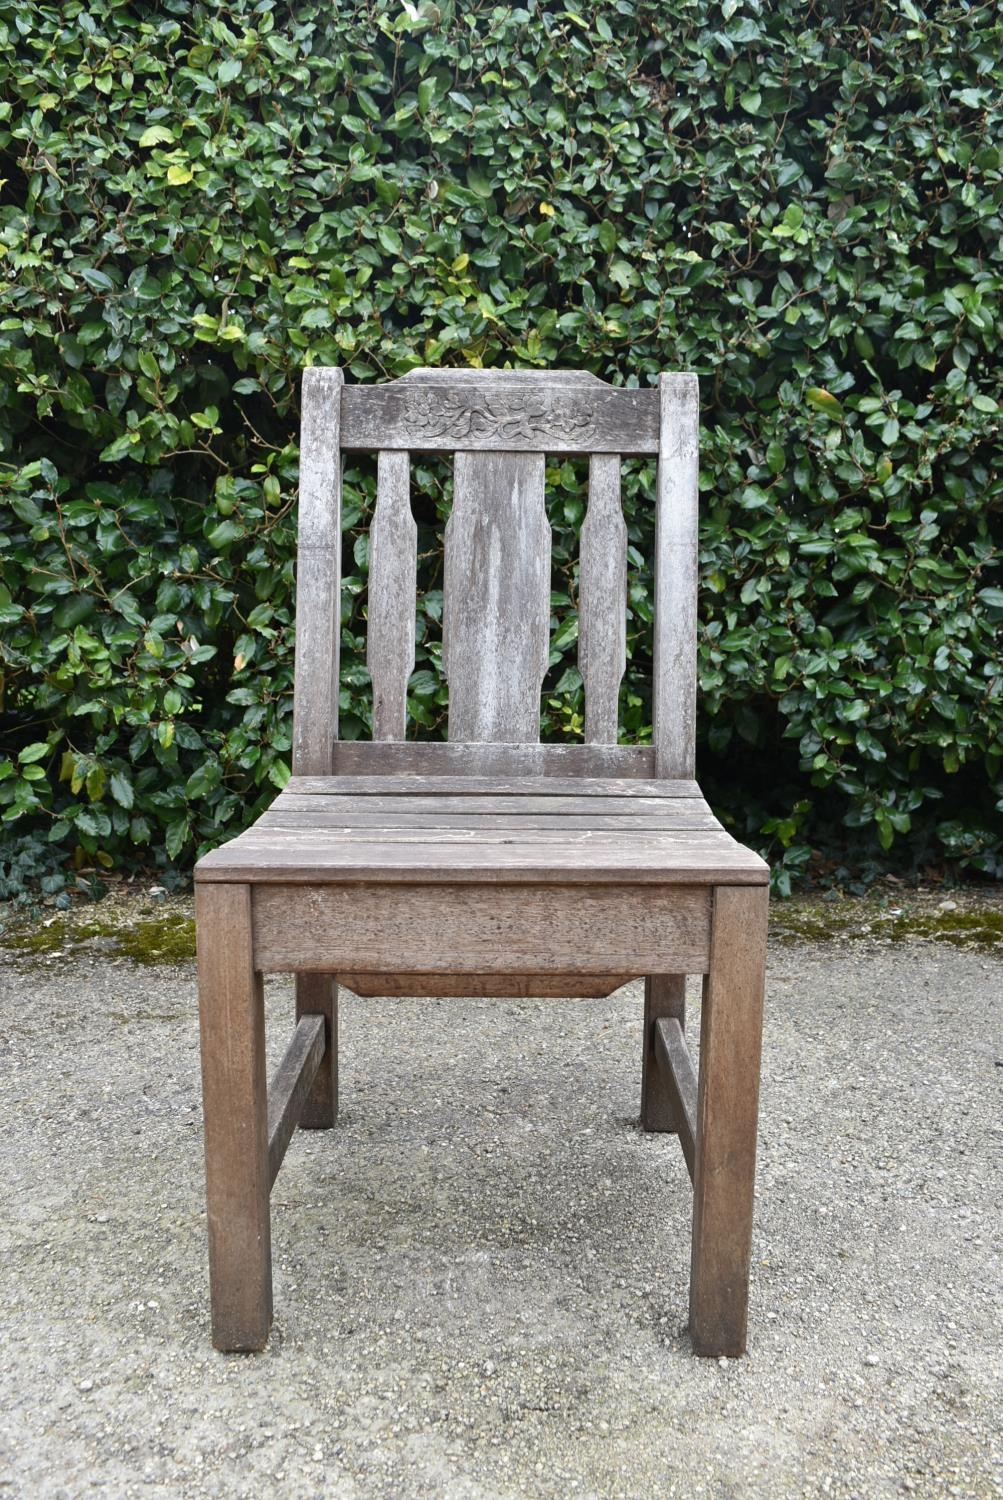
{"x": 430, "y": 829}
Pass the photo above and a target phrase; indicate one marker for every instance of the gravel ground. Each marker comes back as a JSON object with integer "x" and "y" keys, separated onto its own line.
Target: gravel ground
{"x": 480, "y": 1275}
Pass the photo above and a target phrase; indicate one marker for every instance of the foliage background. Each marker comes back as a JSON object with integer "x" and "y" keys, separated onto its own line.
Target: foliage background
{"x": 801, "y": 202}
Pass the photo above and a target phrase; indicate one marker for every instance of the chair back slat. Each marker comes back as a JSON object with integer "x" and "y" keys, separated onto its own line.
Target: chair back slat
{"x": 496, "y": 597}
{"x": 393, "y": 572}
{"x": 318, "y": 575}
{"x": 602, "y": 600}
{"x": 515, "y": 411}
{"x": 674, "y": 684}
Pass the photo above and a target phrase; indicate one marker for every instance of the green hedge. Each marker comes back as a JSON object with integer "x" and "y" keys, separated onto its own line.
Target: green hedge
{"x": 804, "y": 208}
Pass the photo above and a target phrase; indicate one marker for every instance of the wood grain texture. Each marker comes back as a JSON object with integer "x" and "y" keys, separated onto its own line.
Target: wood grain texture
{"x": 486, "y": 814}
{"x": 664, "y": 996}
{"x": 496, "y": 597}
{"x": 457, "y": 929}
{"x": 453, "y": 411}
{"x": 488, "y": 986}
{"x": 487, "y": 824}
{"x": 317, "y": 995}
{"x": 393, "y": 574}
{"x": 602, "y": 603}
{"x": 422, "y": 785}
{"x": 677, "y": 1066}
{"x": 512, "y": 804}
{"x": 425, "y": 758}
{"x": 577, "y": 858}
{"x": 235, "y": 1108}
{"x": 318, "y": 574}
{"x": 290, "y": 1088}
{"x": 674, "y": 680}
{"x": 727, "y": 1112}
{"x": 418, "y": 804}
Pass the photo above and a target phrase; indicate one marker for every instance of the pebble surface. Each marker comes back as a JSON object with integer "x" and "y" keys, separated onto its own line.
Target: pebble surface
{"x": 481, "y": 1273}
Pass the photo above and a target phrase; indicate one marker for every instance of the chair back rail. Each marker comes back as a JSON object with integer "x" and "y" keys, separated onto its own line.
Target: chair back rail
{"x": 506, "y": 411}
{"x": 500, "y": 425}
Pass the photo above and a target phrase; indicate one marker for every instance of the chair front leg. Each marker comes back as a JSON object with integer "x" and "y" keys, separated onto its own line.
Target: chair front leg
{"x": 727, "y": 1112}
{"x": 235, "y": 1105}
{"x": 664, "y": 995}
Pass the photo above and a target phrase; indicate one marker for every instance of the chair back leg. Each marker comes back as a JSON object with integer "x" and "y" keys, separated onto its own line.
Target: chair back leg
{"x": 664, "y": 995}
{"x": 317, "y": 995}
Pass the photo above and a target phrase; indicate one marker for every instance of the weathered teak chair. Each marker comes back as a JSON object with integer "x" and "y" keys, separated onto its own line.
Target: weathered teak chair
{"x": 492, "y": 864}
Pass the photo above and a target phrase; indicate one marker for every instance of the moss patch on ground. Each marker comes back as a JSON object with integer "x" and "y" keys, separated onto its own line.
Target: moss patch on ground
{"x": 131, "y": 928}
{"x": 133, "y": 925}
{"x": 978, "y": 923}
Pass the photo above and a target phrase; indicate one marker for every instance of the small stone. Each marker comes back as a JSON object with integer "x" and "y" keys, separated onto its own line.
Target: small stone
{"x": 948, "y": 906}
{"x": 86, "y": 1385}
{"x": 870, "y": 1359}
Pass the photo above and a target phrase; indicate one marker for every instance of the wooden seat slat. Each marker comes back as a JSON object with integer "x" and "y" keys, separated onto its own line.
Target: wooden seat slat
{"x": 505, "y": 805}
{"x": 488, "y": 786}
{"x": 578, "y": 858}
{"x": 623, "y": 841}
{"x": 524, "y": 824}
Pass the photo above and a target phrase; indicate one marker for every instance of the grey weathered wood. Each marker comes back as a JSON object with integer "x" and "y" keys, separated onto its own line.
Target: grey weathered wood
{"x": 727, "y": 1108}
{"x": 489, "y": 410}
{"x": 488, "y": 986}
{"x": 484, "y": 814}
{"x": 301, "y": 857}
{"x": 664, "y": 996}
{"x": 421, "y": 785}
{"x": 509, "y": 805}
{"x": 677, "y": 1066}
{"x": 317, "y": 995}
{"x": 318, "y": 574}
{"x": 393, "y": 572}
{"x": 602, "y": 595}
{"x": 235, "y": 1110}
{"x": 676, "y": 540}
{"x": 291, "y": 1087}
{"x": 496, "y": 597}
{"x": 426, "y": 758}
{"x": 474, "y": 824}
{"x": 457, "y": 928}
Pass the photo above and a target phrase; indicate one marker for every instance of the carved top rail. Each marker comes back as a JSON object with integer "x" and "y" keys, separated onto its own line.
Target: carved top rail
{"x": 512, "y": 411}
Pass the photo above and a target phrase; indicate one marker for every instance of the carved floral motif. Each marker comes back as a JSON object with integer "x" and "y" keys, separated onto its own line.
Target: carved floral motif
{"x": 508, "y": 418}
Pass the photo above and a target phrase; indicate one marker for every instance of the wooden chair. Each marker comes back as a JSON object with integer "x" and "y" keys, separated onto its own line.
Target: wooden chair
{"x": 492, "y": 864}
